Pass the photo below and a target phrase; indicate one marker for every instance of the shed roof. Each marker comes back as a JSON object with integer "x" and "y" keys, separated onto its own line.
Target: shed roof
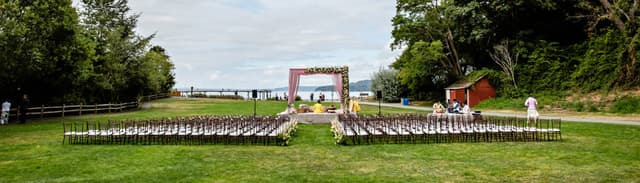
{"x": 466, "y": 83}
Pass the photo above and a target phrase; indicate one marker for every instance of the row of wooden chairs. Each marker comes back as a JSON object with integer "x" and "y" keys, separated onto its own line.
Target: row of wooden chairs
{"x": 192, "y": 130}
{"x": 442, "y": 128}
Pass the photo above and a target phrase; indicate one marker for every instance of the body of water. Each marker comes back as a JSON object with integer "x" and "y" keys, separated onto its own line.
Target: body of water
{"x": 305, "y": 95}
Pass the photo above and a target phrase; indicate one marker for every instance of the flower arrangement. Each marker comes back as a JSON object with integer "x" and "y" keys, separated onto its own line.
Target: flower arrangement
{"x": 332, "y": 70}
{"x": 284, "y": 139}
{"x": 285, "y": 136}
{"x": 338, "y": 133}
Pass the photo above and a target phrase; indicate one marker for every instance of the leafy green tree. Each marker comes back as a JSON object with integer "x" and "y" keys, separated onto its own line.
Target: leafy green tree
{"x": 421, "y": 25}
{"x": 547, "y": 68}
{"x": 111, "y": 24}
{"x": 385, "y": 80}
{"x": 48, "y": 54}
{"x": 422, "y": 20}
{"x": 624, "y": 16}
{"x": 165, "y": 66}
{"x": 599, "y": 66}
{"x": 158, "y": 71}
{"x": 42, "y": 50}
{"x": 425, "y": 72}
{"x": 549, "y": 34}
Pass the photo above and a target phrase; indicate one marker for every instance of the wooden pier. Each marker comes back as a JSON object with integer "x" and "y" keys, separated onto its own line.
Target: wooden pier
{"x": 263, "y": 94}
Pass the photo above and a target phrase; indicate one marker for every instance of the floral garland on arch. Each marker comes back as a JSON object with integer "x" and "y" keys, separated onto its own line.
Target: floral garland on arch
{"x": 344, "y": 70}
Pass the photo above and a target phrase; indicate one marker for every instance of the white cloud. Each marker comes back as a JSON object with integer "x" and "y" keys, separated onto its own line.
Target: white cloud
{"x": 252, "y": 44}
{"x": 187, "y": 66}
{"x": 214, "y": 76}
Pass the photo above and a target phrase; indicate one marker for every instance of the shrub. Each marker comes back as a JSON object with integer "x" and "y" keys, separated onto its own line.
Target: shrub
{"x": 600, "y": 65}
{"x": 575, "y": 106}
{"x": 547, "y": 68}
{"x": 592, "y": 107}
{"x": 626, "y": 105}
{"x": 579, "y": 107}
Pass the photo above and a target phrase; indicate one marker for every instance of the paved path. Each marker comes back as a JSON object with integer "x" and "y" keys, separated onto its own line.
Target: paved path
{"x": 587, "y": 120}
{"x": 146, "y": 105}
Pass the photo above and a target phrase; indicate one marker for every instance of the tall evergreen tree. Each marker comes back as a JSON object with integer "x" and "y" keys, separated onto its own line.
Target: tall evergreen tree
{"x": 111, "y": 24}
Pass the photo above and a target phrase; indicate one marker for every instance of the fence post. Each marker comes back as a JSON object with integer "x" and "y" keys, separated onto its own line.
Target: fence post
{"x": 80, "y": 109}
{"x": 42, "y": 111}
{"x": 95, "y": 111}
{"x": 63, "y": 110}
{"x": 109, "y": 107}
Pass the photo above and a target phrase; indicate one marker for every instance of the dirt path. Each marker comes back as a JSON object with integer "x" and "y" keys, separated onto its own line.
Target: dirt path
{"x": 565, "y": 117}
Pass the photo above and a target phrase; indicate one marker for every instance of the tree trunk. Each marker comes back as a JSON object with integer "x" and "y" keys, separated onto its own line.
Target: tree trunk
{"x": 503, "y": 57}
{"x": 629, "y": 70}
{"x": 452, "y": 47}
{"x": 612, "y": 15}
{"x": 513, "y": 78}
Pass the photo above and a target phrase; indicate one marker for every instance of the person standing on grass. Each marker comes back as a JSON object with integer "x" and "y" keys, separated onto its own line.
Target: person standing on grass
{"x": 6, "y": 106}
{"x": 532, "y": 111}
{"x": 311, "y": 97}
{"x": 23, "y": 108}
{"x": 354, "y": 107}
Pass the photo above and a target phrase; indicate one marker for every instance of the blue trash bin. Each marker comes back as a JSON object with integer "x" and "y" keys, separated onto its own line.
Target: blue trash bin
{"x": 405, "y": 101}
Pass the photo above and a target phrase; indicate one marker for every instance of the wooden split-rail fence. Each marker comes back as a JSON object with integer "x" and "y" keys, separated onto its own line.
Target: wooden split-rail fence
{"x": 43, "y": 111}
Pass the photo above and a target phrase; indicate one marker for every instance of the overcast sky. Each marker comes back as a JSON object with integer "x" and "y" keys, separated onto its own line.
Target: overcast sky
{"x": 247, "y": 44}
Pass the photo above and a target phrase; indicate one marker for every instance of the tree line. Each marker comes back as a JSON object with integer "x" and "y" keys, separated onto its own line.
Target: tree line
{"x": 524, "y": 46}
{"x": 56, "y": 53}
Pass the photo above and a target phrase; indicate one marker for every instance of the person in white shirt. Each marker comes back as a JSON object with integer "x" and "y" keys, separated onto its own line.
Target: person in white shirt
{"x": 6, "y": 106}
{"x": 532, "y": 111}
{"x": 466, "y": 109}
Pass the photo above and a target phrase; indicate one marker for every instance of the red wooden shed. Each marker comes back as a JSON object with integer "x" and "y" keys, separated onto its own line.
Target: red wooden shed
{"x": 471, "y": 90}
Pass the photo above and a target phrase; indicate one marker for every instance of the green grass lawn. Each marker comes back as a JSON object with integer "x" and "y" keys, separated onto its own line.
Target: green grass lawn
{"x": 589, "y": 153}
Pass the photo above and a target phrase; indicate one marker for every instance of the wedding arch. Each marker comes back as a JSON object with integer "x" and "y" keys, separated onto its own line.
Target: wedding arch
{"x": 340, "y": 79}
